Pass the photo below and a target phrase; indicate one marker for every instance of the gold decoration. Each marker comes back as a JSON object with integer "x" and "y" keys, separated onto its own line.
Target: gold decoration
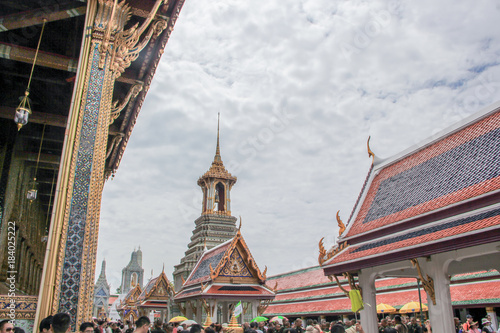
{"x": 117, "y": 108}
{"x": 370, "y": 152}
{"x": 340, "y": 224}
{"x": 127, "y": 47}
{"x": 324, "y": 256}
{"x": 182, "y": 308}
{"x": 427, "y": 282}
{"x": 263, "y": 306}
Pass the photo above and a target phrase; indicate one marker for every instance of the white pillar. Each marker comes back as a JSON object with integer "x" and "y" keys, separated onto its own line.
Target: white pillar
{"x": 255, "y": 306}
{"x": 369, "y": 319}
{"x": 494, "y": 320}
{"x": 213, "y": 304}
{"x": 441, "y": 314}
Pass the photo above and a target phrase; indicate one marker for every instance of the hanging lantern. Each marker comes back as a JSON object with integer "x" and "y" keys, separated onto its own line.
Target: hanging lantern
{"x": 22, "y": 111}
{"x": 32, "y": 193}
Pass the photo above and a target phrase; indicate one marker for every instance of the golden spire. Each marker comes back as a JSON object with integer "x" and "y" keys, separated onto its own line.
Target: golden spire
{"x": 217, "y": 150}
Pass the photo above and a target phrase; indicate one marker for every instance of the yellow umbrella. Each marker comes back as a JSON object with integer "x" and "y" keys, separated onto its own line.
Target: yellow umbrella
{"x": 413, "y": 307}
{"x": 385, "y": 308}
{"x": 177, "y": 319}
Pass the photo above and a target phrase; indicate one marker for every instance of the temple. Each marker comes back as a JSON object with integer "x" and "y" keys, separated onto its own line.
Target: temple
{"x": 430, "y": 213}
{"x": 222, "y": 277}
{"x": 133, "y": 273}
{"x": 74, "y": 77}
{"x": 215, "y": 225}
{"x": 101, "y": 293}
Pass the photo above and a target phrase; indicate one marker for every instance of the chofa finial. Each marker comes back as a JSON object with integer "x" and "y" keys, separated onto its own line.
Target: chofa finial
{"x": 239, "y": 228}
{"x": 370, "y": 152}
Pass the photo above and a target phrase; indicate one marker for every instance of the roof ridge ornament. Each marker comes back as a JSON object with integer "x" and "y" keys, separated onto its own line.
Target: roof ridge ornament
{"x": 370, "y": 152}
{"x": 340, "y": 224}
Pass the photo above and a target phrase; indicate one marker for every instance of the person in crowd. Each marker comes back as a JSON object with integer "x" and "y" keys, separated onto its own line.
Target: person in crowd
{"x": 209, "y": 329}
{"x": 196, "y": 328}
{"x": 61, "y": 323}
{"x": 399, "y": 326}
{"x": 298, "y": 326}
{"x": 130, "y": 327}
{"x": 18, "y": 330}
{"x": 157, "y": 327}
{"x": 87, "y": 327}
{"x": 142, "y": 325}
{"x": 44, "y": 326}
{"x": 468, "y": 323}
{"x": 486, "y": 326}
{"x": 414, "y": 326}
{"x": 6, "y": 326}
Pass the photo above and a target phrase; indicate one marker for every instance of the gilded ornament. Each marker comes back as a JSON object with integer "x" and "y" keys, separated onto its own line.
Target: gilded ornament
{"x": 427, "y": 282}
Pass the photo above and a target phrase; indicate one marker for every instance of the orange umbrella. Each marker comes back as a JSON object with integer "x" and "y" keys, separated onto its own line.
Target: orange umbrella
{"x": 385, "y": 308}
{"x": 413, "y": 307}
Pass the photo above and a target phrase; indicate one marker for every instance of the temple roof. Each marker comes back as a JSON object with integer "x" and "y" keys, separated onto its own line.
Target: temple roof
{"x": 429, "y": 199}
{"x": 158, "y": 288}
{"x": 130, "y": 300}
{"x": 226, "y": 270}
{"x": 299, "y": 294}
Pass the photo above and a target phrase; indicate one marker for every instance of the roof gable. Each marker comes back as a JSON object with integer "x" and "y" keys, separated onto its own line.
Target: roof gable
{"x": 231, "y": 259}
{"x": 158, "y": 288}
{"x": 452, "y": 169}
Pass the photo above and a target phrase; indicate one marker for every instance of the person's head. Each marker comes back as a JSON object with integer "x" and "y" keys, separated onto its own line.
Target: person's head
{"x": 397, "y": 319}
{"x": 383, "y": 322}
{"x": 473, "y": 324}
{"x": 209, "y": 330}
{"x": 298, "y": 323}
{"x": 485, "y": 322}
{"x": 6, "y": 326}
{"x": 61, "y": 323}
{"x": 142, "y": 324}
{"x": 413, "y": 320}
{"x": 337, "y": 329}
{"x": 196, "y": 328}
{"x": 18, "y": 330}
{"x": 44, "y": 326}
{"x": 87, "y": 327}
{"x": 469, "y": 318}
{"x": 253, "y": 325}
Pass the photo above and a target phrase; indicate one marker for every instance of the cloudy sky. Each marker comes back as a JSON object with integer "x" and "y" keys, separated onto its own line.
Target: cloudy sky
{"x": 300, "y": 85}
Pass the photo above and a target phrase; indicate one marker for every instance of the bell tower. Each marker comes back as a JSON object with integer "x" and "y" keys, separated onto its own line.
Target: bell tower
{"x": 215, "y": 225}
{"x": 216, "y": 184}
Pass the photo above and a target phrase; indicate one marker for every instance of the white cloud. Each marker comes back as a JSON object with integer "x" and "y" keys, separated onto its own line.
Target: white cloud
{"x": 300, "y": 86}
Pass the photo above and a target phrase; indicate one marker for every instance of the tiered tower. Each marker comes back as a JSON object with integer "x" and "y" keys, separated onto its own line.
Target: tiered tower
{"x": 133, "y": 273}
{"x": 215, "y": 225}
{"x": 101, "y": 292}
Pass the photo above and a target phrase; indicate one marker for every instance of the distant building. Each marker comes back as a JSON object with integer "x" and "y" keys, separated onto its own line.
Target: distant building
{"x": 133, "y": 273}
{"x": 101, "y": 293}
{"x": 215, "y": 225}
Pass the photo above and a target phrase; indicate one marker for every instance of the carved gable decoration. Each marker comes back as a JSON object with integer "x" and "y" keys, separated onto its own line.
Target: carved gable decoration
{"x": 237, "y": 261}
{"x": 236, "y": 266}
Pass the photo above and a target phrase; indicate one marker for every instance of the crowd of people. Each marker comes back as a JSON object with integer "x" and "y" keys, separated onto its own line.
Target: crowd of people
{"x": 60, "y": 323}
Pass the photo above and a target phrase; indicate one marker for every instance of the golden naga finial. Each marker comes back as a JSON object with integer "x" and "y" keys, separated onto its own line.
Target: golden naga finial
{"x": 341, "y": 224}
{"x": 370, "y": 152}
{"x": 182, "y": 278}
{"x": 239, "y": 228}
{"x": 264, "y": 273}
{"x": 322, "y": 252}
